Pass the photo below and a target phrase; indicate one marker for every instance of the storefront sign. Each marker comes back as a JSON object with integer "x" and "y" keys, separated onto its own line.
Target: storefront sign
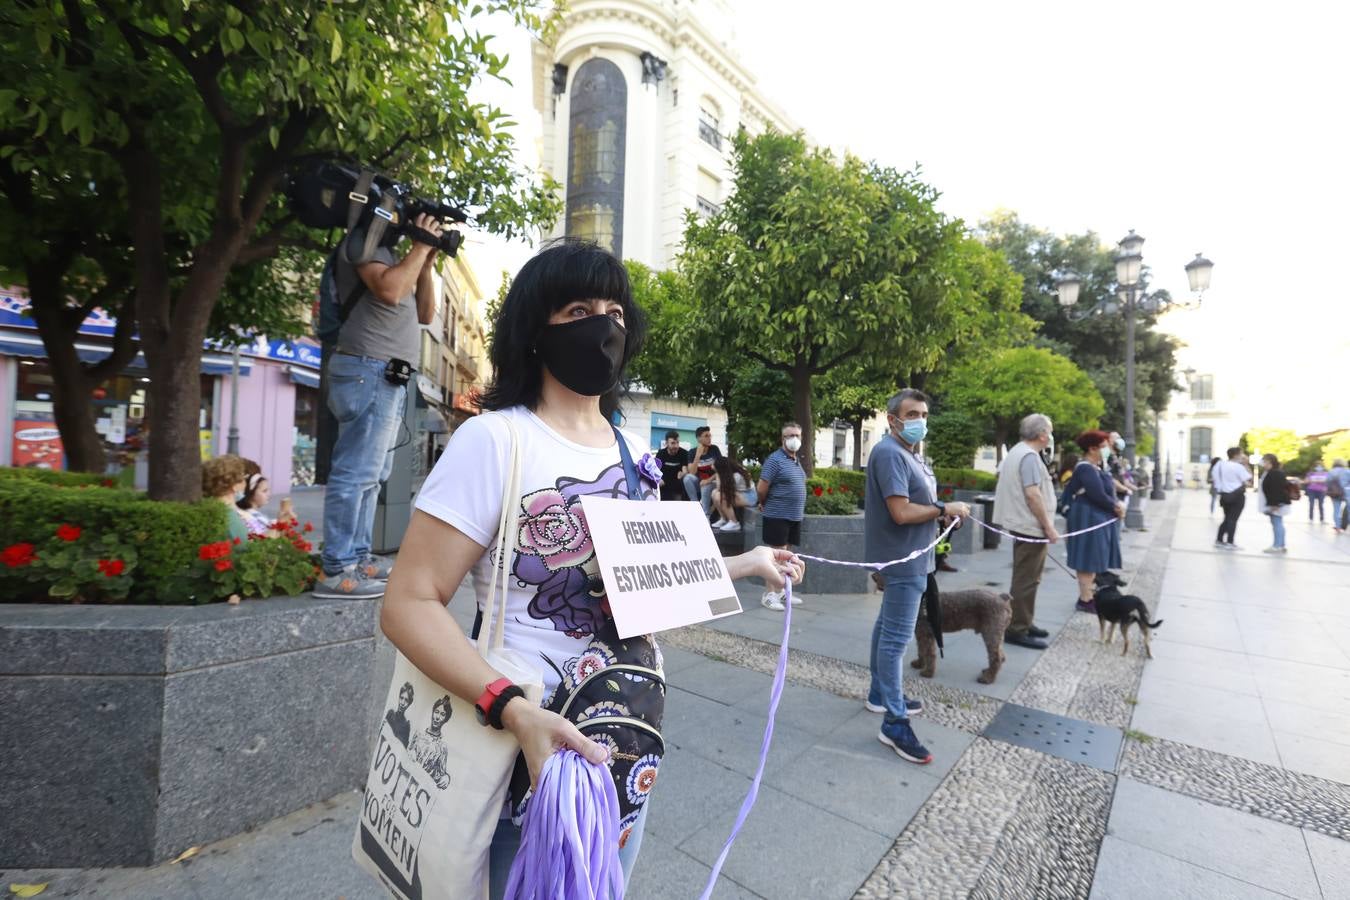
{"x": 660, "y": 564}
{"x": 37, "y": 445}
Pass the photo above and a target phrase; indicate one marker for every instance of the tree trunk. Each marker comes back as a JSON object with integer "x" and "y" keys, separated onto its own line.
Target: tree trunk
{"x": 70, "y": 387}
{"x": 801, "y": 409}
{"x": 1000, "y": 438}
{"x": 857, "y": 444}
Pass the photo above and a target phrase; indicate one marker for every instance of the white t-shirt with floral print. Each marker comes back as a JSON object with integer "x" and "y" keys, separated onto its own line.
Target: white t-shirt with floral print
{"x": 554, "y": 589}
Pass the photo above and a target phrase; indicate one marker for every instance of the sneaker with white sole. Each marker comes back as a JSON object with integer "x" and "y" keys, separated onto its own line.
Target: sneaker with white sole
{"x": 772, "y": 600}
{"x": 349, "y": 584}
{"x": 912, "y": 706}
{"x": 896, "y": 734}
{"x": 376, "y": 567}
{"x": 796, "y": 599}
{"x": 729, "y": 526}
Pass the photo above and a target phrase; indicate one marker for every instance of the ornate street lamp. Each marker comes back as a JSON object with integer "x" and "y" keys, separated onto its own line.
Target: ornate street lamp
{"x": 1130, "y": 295}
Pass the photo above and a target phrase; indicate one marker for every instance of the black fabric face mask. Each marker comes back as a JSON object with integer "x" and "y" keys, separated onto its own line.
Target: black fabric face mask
{"x": 584, "y": 355}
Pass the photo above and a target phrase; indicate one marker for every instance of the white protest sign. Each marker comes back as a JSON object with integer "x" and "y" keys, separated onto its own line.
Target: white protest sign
{"x": 660, "y": 564}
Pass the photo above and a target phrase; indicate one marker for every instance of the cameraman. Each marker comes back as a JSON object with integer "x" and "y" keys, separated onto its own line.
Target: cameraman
{"x": 367, "y": 391}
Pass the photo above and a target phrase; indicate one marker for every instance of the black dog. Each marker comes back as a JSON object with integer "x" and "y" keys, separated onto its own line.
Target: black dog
{"x": 1109, "y": 579}
{"x": 1122, "y": 609}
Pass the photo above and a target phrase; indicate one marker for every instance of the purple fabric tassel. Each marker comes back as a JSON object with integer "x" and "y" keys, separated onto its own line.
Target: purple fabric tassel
{"x": 569, "y": 839}
{"x": 775, "y": 694}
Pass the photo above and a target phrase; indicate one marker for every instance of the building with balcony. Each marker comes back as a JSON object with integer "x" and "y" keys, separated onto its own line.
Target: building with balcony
{"x": 638, "y": 101}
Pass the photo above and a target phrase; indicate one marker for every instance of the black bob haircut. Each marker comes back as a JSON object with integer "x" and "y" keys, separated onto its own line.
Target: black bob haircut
{"x": 562, "y": 272}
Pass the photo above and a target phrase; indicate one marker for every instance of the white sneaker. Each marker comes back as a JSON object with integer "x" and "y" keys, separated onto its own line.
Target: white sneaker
{"x": 730, "y": 526}
{"x": 1271, "y": 550}
{"x": 796, "y": 599}
{"x": 718, "y": 522}
{"x": 772, "y": 600}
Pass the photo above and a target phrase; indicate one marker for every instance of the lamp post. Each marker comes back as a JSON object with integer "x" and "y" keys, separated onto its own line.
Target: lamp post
{"x": 1128, "y": 297}
{"x": 232, "y": 440}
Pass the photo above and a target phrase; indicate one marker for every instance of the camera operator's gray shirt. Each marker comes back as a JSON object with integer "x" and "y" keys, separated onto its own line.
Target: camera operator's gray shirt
{"x": 374, "y": 328}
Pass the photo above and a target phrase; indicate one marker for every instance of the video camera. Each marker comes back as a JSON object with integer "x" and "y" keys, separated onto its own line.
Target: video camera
{"x": 326, "y": 193}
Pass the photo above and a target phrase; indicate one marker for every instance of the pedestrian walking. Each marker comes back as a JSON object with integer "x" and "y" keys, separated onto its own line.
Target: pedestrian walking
{"x": 1274, "y": 500}
{"x": 1092, "y": 501}
{"x": 1315, "y": 483}
{"x": 1232, "y": 478}
{"x": 901, "y": 510}
{"x": 561, "y": 341}
{"x": 782, "y": 502}
{"x": 367, "y": 380}
{"x": 1338, "y": 489}
{"x": 1024, "y": 504}
{"x": 1209, "y": 480}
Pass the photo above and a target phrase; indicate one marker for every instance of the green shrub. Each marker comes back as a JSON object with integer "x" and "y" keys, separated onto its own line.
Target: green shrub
{"x": 955, "y": 436}
{"x": 57, "y": 477}
{"x": 837, "y": 503}
{"x": 165, "y": 537}
{"x": 852, "y": 479}
{"x": 259, "y": 567}
{"x": 965, "y": 479}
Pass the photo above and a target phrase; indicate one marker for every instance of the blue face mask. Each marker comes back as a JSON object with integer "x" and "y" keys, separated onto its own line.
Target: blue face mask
{"x": 914, "y": 430}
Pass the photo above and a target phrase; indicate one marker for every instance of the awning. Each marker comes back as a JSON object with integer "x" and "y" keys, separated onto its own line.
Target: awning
{"x": 31, "y": 347}
{"x": 433, "y": 422}
{"x": 306, "y": 377}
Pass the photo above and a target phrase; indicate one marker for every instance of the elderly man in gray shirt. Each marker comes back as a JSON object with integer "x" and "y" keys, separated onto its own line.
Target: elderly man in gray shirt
{"x": 1024, "y": 504}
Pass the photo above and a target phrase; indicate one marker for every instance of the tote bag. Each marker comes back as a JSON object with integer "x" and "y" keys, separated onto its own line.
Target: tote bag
{"x": 437, "y": 783}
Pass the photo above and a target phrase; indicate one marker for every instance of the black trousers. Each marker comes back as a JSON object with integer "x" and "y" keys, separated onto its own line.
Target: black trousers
{"x": 1232, "y": 504}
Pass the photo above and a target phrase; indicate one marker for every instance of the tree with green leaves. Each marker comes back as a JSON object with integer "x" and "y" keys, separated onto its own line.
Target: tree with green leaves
{"x": 1095, "y": 343}
{"x": 1283, "y": 442}
{"x": 188, "y": 116}
{"x": 1001, "y": 388}
{"x": 814, "y": 260}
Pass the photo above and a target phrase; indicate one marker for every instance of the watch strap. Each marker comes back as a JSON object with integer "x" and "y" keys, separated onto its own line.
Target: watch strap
{"x": 490, "y": 694}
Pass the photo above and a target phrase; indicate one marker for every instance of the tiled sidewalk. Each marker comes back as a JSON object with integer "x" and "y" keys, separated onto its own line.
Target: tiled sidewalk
{"x": 1227, "y": 790}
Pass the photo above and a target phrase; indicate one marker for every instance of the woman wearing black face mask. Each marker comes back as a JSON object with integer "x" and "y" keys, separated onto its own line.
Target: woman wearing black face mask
{"x": 561, "y": 340}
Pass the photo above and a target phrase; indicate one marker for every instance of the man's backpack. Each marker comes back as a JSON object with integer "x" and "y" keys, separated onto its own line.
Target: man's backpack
{"x": 615, "y": 694}
{"x": 1335, "y": 489}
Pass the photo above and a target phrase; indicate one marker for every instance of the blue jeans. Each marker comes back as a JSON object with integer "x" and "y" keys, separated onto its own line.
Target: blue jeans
{"x": 1337, "y": 503}
{"x": 1277, "y": 526}
{"x": 891, "y": 634}
{"x": 701, "y": 493}
{"x": 369, "y": 410}
{"x": 506, "y": 843}
{"x": 1316, "y": 501}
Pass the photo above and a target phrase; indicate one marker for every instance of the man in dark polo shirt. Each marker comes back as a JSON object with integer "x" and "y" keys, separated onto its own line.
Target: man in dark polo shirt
{"x": 782, "y": 501}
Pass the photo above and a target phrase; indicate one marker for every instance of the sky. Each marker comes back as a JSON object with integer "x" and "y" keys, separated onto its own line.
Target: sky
{"x": 1206, "y": 127}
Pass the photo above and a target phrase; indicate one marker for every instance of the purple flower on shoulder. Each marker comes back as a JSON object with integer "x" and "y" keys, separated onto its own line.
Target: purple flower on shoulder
{"x": 650, "y": 469}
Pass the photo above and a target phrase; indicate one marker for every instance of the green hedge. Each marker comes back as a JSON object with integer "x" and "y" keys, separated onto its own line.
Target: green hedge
{"x": 966, "y": 479}
{"x": 56, "y": 477}
{"x": 164, "y": 538}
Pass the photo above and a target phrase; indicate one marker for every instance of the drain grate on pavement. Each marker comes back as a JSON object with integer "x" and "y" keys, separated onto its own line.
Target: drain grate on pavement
{"x": 1073, "y": 739}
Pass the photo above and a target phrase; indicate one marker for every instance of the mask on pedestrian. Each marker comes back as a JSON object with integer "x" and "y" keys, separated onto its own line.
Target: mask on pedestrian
{"x": 912, "y": 431}
{"x": 1106, "y": 452}
{"x": 585, "y": 355}
{"x": 793, "y": 444}
{"x": 1120, "y": 444}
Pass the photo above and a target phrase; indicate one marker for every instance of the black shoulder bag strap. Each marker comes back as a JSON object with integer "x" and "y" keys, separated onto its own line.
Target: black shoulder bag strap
{"x": 629, "y": 470}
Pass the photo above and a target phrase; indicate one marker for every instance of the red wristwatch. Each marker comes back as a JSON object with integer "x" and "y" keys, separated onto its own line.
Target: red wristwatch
{"x": 483, "y": 705}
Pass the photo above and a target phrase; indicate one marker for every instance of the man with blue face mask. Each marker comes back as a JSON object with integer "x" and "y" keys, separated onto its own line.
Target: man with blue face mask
{"x": 901, "y": 513}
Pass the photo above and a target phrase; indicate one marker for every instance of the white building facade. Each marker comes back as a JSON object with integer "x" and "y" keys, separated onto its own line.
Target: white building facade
{"x": 639, "y": 100}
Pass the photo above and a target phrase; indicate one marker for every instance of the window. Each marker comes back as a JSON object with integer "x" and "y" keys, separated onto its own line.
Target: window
{"x": 595, "y": 154}
{"x": 706, "y": 208}
{"x": 707, "y": 126}
{"x": 1202, "y": 387}
{"x": 1202, "y": 444}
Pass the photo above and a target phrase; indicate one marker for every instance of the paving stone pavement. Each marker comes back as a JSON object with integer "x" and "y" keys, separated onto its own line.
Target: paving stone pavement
{"x": 1185, "y": 814}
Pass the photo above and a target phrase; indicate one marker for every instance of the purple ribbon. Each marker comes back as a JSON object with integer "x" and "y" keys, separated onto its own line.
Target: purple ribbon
{"x": 569, "y": 839}
{"x": 775, "y": 694}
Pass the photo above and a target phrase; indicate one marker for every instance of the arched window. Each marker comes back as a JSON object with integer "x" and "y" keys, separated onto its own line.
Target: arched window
{"x": 1202, "y": 443}
{"x": 595, "y": 154}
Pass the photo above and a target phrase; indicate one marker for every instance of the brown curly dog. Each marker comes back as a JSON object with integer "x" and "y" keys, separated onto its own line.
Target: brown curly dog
{"x": 978, "y": 610}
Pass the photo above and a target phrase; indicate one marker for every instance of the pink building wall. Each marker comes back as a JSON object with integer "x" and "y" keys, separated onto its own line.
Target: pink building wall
{"x": 266, "y": 421}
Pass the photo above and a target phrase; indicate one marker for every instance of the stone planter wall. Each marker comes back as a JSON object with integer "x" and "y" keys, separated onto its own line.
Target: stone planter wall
{"x": 132, "y": 733}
